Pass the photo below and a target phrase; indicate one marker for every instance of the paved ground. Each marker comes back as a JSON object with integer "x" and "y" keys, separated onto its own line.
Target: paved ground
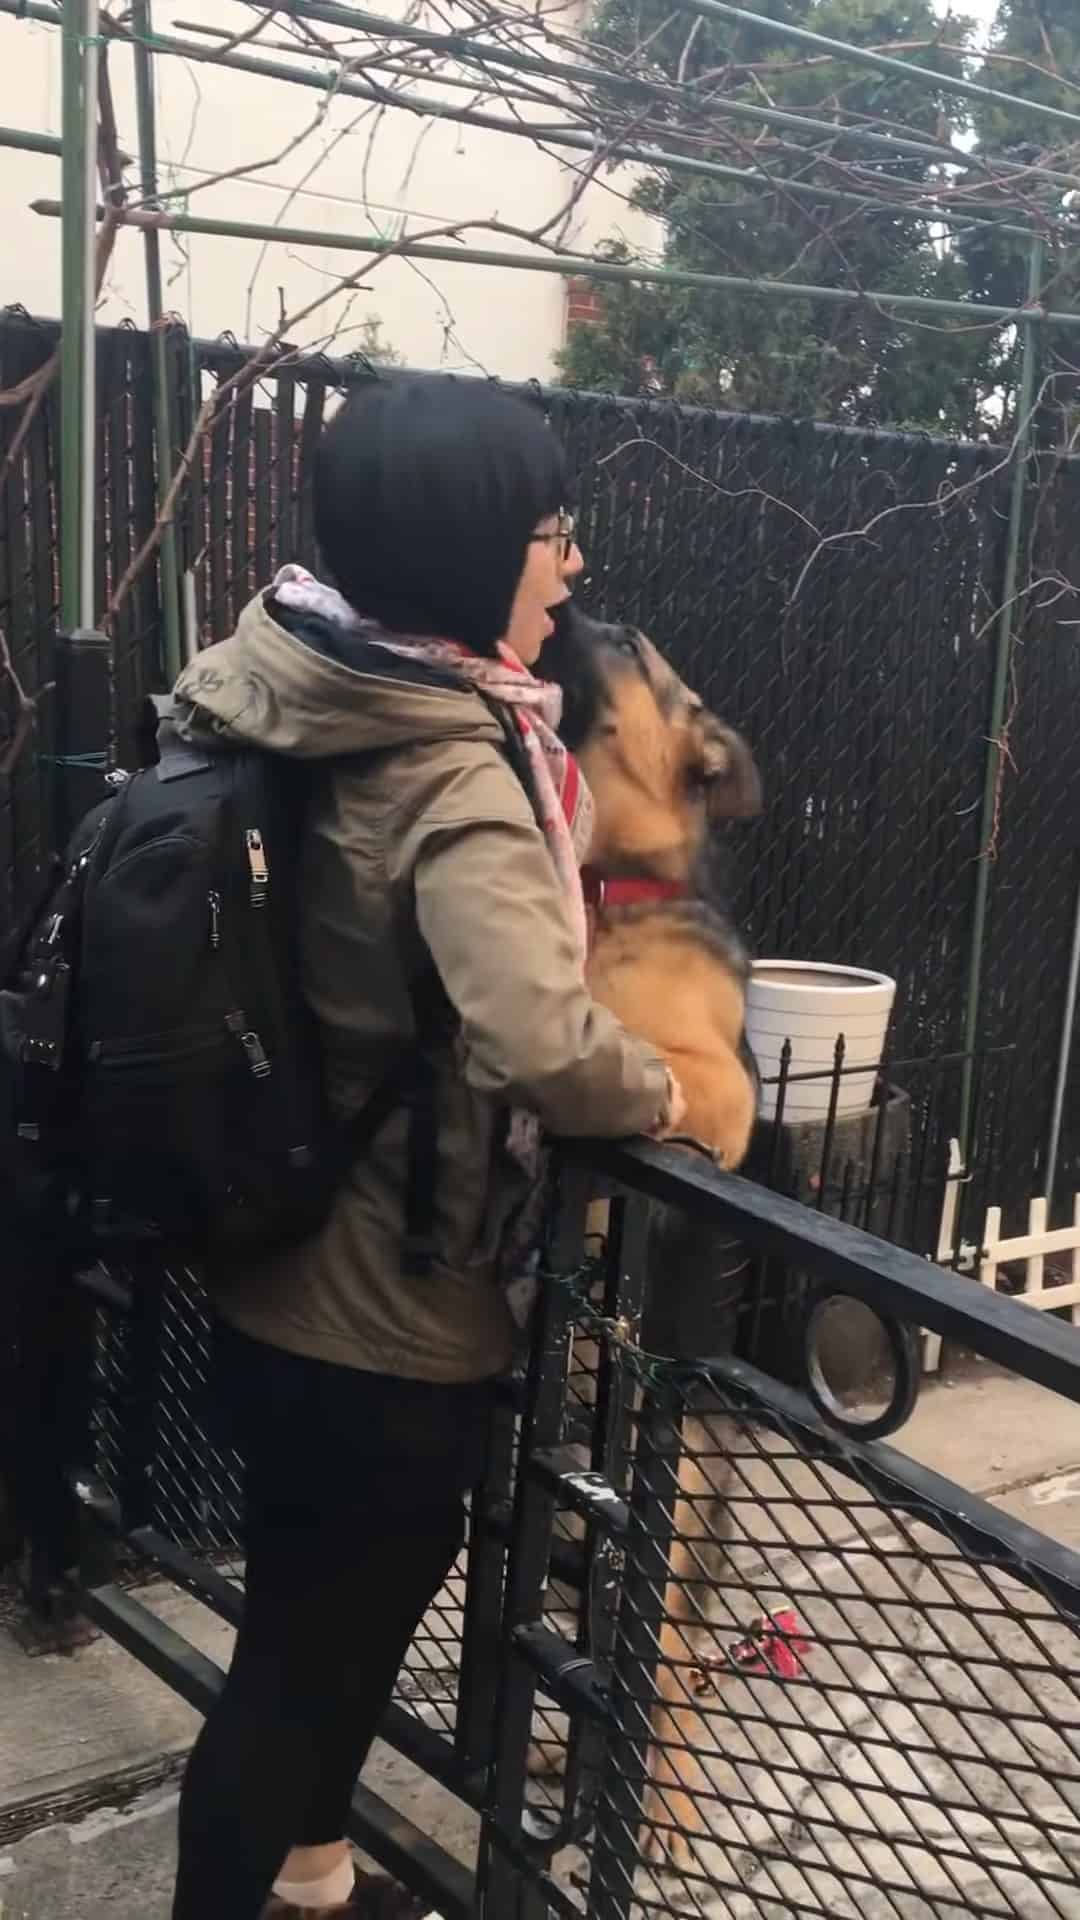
{"x": 90, "y": 1746}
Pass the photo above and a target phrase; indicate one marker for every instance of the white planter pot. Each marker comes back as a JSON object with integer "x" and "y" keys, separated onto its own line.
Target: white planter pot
{"x": 811, "y": 1004}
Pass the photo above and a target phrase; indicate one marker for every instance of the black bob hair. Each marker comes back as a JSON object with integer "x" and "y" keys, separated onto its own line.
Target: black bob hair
{"x": 427, "y": 489}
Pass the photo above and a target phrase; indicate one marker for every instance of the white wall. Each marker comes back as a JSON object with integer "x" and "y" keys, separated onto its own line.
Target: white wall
{"x": 358, "y": 173}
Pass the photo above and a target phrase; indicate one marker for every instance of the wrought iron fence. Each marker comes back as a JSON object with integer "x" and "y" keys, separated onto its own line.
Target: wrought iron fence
{"x": 707, "y": 1652}
{"x": 795, "y": 1672}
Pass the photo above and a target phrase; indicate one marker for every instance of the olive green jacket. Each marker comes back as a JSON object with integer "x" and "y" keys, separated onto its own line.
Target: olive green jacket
{"x": 428, "y": 846}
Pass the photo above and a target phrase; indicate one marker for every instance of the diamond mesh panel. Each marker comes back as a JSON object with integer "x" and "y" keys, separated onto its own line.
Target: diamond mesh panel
{"x": 158, "y": 1441}
{"x": 858, "y": 1696}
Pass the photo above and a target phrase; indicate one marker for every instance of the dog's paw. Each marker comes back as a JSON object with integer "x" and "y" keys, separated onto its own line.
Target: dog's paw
{"x": 663, "y": 1847}
{"x": 672, "y": 1823}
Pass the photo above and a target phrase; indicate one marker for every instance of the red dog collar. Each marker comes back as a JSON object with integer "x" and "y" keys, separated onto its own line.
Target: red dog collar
{"x": 600, "y": 892}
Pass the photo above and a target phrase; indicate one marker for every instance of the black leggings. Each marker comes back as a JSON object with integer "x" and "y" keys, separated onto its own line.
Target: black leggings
{"x": 354, "y": 1518}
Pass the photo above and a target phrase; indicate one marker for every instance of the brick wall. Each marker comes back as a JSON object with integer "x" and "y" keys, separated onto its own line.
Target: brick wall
{"x": 584, "y": 304}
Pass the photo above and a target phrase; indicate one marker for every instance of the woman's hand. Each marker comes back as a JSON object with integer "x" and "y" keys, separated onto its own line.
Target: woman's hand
{"x": 674, "y": 1111}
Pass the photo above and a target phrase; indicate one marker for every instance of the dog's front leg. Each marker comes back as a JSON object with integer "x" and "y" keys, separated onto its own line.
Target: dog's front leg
{"x": 680, "y": 1787}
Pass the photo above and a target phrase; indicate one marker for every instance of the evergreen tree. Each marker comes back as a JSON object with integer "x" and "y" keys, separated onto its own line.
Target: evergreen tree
{"x": 1042, "y": 41}
{"x": 857, "y": 363}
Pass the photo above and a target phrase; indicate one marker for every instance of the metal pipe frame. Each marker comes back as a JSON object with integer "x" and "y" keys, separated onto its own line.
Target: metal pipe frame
{"x": 90, "y": 52}
{"x": 561, "y": 134}
{"x": 483, "y": 53}
{"x": 572, "y": 264}
{"x": 996, "y": 750}
{"x": 25, "y": 141}
{"x": 573, "y": 138}
{"x": 1061, "y": 1078}
{"x": 77, "y": 336}
{"x": 168, "y": 565}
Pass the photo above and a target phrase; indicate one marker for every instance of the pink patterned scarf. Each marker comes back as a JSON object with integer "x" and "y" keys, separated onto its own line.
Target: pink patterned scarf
{"x": 564, "y": 804}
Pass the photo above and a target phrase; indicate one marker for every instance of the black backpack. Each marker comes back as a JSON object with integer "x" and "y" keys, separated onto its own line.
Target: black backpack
{"x": 160, "y": 1069}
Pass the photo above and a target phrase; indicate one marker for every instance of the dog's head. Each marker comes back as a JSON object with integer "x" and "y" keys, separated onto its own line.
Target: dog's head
{"x": 663, "y": 770}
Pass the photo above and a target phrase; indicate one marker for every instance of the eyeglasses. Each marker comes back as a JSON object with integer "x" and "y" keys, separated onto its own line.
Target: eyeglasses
{"x": 565, "y": 532}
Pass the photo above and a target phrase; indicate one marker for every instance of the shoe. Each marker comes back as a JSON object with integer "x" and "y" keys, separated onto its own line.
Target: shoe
{"x": 374, "y": 1897}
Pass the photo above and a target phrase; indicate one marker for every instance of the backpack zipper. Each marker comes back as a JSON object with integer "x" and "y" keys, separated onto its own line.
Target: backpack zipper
{"x": 257, "y": 866}
{"x": 257, "y": 1057}
{"x": 214, "y": 900}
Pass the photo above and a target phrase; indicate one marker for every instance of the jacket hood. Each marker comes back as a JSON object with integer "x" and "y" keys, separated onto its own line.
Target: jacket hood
{"x": 300, "y": 686}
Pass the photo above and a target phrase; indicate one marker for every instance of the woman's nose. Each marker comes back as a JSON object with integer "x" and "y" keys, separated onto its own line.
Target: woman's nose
{"x": 574, "y": 563}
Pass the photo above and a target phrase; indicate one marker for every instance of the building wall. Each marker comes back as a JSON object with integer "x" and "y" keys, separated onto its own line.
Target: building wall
{"x": 361, "y": 171}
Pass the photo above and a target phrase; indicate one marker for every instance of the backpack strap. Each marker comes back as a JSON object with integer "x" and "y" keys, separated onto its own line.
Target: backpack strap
{"x": 435, "y": 1019}
{"x": 417, "y": 1087}
{"x": 514, "y": 749}
{"x": 432, "y": 1010}
{"x": 414, "y": 1086}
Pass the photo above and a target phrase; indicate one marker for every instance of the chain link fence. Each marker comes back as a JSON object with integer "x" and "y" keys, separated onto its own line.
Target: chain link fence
{"x": 702, "y": 1654}
{"x": 833, "y": 592}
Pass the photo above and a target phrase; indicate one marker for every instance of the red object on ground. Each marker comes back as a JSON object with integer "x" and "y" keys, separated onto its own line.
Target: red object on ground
{"x": 776, "y": 1644}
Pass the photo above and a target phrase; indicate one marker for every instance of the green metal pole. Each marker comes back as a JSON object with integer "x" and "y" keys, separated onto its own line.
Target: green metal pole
{"x": 480, "y": 54}
{"x": 75, "y": 239}
{"x": 560, "y": 134}
{"x": 484, "y": 54}
{"x": 84, "y": 699}
{"x": 88, "y": 390}
{"x": 999, "y": 692}
{"x": 30, "y": 142}
{"x": 973, "y": 311}
{"x": 168, "y": 564}
{"x": 365, "y": 89}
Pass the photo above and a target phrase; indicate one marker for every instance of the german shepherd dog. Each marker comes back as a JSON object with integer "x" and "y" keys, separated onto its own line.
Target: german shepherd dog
{"x": 665, "y": 957}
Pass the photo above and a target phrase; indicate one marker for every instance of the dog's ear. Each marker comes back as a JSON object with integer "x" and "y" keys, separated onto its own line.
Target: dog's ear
{"x": 732, "y": 781}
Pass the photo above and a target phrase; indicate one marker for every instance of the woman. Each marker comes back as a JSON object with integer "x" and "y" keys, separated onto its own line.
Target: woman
{"x": 448, "y": 828}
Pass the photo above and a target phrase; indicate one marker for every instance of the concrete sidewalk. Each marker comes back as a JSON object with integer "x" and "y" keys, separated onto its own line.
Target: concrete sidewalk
{"x": 91, "y": 1746}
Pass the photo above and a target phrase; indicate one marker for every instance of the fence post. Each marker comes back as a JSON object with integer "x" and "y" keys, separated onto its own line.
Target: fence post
{"x": 77, "y": 396}
{"x": 168, "y": 570}
{"x": 507, "y": 1888}
{"x": 621, "y": 1810}
{"x": 996, "y": 750}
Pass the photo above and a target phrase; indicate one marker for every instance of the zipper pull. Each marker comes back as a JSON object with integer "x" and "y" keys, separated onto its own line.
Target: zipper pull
{"x": 257, "y": 1057}
{"x": 257, "y": 866}
{"x": 214, "y": 899}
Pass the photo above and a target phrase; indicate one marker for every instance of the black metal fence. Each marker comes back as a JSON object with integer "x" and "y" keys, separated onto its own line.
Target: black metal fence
{"x": 797, "y": 1674}
{"x": 705, "y": 1652}
{"x": 833, "y": 592}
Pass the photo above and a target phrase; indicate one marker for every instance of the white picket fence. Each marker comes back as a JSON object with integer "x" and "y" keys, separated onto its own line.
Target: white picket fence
{"x": 1030, "y": 1248}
